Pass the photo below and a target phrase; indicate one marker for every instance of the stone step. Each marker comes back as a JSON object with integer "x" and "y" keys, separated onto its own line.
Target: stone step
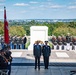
{"x": 42, "y": 64}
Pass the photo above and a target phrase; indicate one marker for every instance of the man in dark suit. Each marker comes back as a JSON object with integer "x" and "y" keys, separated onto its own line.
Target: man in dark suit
{"x": 24, "y": 41}
{"x": 46, "y": 53}
{"x": 37, "y": 53}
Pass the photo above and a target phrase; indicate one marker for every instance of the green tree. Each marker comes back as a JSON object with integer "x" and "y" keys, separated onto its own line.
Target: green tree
{"x": 72, "y": 24}
{"x": 27, "y": 29}
{"x": 1, "y": 28}
{"x": 64, "y": 30}
{"x": 17, "y": 30}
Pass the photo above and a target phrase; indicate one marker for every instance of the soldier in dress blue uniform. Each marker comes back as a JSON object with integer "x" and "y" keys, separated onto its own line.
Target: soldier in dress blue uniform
{"x": 46, "y": 53}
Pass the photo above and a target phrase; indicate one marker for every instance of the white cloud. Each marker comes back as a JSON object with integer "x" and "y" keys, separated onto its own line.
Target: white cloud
{"x": 72, "y": 7}
{"x": 21, "y": 4}
{"x": 33, "y": 2}
{"x": 55, "y": 6}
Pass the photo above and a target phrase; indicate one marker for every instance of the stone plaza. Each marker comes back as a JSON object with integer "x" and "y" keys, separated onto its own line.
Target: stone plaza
{"x": 62, "y": 62}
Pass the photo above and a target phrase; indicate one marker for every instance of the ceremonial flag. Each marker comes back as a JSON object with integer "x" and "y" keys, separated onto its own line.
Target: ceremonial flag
{"x": 6, "y": 30}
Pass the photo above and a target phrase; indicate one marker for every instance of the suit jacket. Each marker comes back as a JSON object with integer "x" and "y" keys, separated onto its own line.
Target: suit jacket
{"x": 25, "y": 40}
{"x": 37, "y": 50}
{"x": 46, "y": 50}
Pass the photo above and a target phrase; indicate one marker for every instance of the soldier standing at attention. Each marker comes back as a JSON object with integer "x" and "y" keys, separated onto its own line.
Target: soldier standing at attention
{"x": 68, "y": 40}
{"x": 46, "y": 53}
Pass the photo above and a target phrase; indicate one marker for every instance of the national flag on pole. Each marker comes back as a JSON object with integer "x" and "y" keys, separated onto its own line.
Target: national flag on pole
{"x": 6, "y": 30}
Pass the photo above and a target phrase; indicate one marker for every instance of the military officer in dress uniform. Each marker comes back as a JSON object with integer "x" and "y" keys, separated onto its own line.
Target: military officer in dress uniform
{"x": 46, "y": 53}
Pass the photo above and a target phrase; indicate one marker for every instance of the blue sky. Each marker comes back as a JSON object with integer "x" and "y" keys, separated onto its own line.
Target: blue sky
{"x": 38, "y": 9}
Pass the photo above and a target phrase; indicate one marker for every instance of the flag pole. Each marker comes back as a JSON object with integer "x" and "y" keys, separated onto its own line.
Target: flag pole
{"x": 6, "y": 30}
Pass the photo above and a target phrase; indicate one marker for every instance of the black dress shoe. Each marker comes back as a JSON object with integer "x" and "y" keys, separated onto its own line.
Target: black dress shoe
{"x": 47, "y": 68}
{"x": 38, "y": 68}
{"x": 35, "y": 68}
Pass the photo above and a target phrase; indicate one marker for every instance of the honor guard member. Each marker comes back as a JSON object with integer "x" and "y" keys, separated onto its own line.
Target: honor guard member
{"x": 10, "y": 42}
{"x": 14, "y": 43}
{"x": 54, "y": 41}
{"x": 46, "y": 53}
{"x": 37, "y": 54}
{"x": 59, "y": 41}
{"x": 74, "y": 42}
{"x": 2, "y": 41}
{"x": 17, "y": 42}
{"x": 64, "y": 42}
{"x": 68, "y": 40}
{"x": 23, "y": 45}
{"x": 20, "y": 43}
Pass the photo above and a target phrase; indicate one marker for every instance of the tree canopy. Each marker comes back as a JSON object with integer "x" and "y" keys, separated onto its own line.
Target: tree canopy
{"x": 54, "y": 28}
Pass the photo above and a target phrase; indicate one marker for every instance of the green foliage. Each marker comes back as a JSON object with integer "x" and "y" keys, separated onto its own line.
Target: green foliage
{"x": 72, "y": 24}
{"x": 57, "y": 28}
{"x": 64, "y": 30}
{"x": 1, "y": 28}
{"x": 17, "y": 30}
{"x": 50, "y": 44}
{"x": 27, "y": 29}
{"x": 27, "y": 44}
